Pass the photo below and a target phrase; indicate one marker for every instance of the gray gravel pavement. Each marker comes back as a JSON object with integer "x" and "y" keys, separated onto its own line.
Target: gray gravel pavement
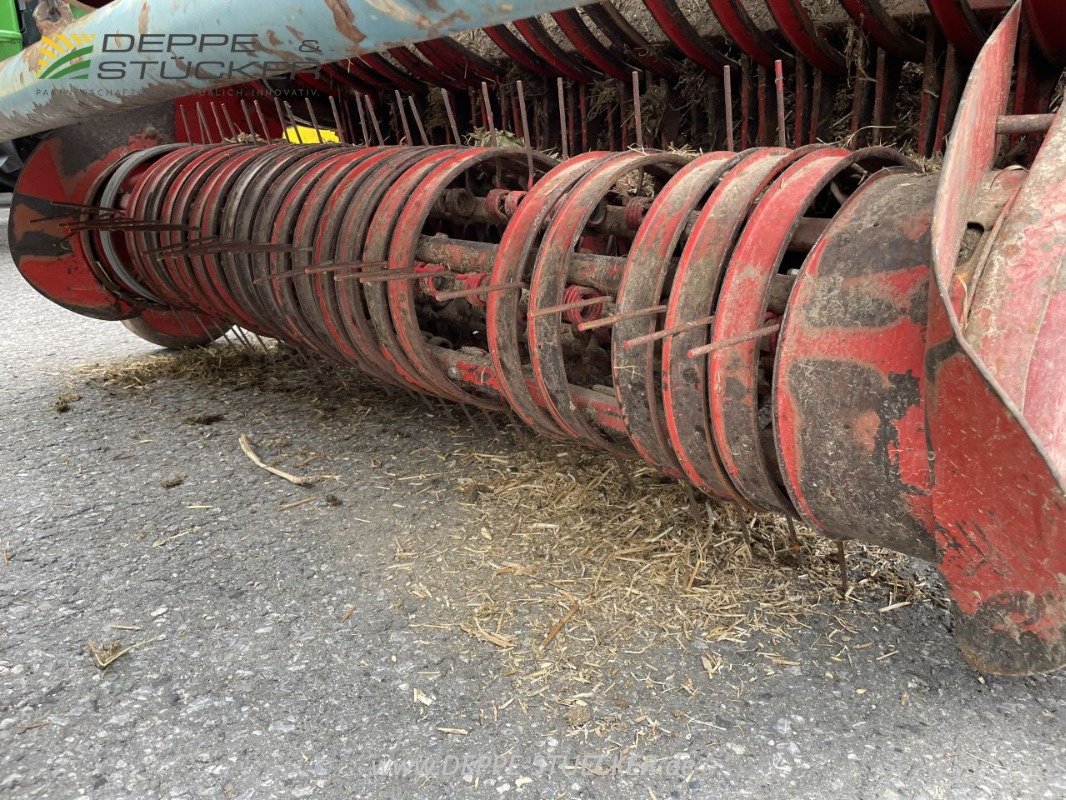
{"x": 277, "y": 659}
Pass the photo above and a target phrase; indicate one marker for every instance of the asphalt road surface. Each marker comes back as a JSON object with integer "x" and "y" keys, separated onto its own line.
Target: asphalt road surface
{"x": 277, "y": 657}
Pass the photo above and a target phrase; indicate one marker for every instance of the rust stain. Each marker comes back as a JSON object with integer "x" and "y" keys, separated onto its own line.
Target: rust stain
{"x": 344, "y": 19}
{"x": 142, "y": 18}
{"x": 48, "y": 26}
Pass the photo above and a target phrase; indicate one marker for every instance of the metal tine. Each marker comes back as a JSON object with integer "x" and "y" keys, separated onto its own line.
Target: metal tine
{"x": 362, "y": 120}
{"x": 727, "y": 81}
{"x": 292, "y": 122}
{"x": 475, "y": 105}
{"x": 508, "y": 107}
{"x": 492, "y": 127}
{"x": 725, "y": 344}
{"x": 842, "y": 561}
{"x": 490, "y": 118}
{"x": 799, "y": 105}
{"x": 180, "y": 246}
{"x": 638, "y": 123}
{"x": 638, "y": 118}
{"x": 571, "y": 101}
{"x": 794, "y": 543}
{"x": 218, "y": 122}
{"x": 247, "y": 117}
{"x": 606, "y": 322}
{"x": 392, "y": 275}
{"x": 745, "y": 103}
{"x": 460, "y": 293}
{"x": 563, "y": 134}
{"x": 451, "y": 116}
{"x": 203, "y": 125}
{"x": 491, "y": 422}
{"x": 583, "y": 106}
{"x": 666, "y": 333}
{"x": 374, "y": 121}
{"x": 418, "y": 121}
{"x": 403, "y": 119}
{"x": 469, "y": 416}
{"x": 130, "y": 224}
{"x": 779, "y": 83}
{"x": 576, "y": 304}
{"x": 241, "y": 335}
{"x": 235, "y": 130}
{"x": 347, "y": 118}
{"x": 258, "y": 247}
{"x": 281, "y": 118}
{"x": 262, "y": 120}
{"x": 270, "y": 352}
{"x": 525, "y": 132}
{"x": 219, "y": 246}
{"x": 314, "y": 120}
{"x": 76, "y": 210}
{"x": 185, "y": 124}
{"x": 322, "y": 268}
{"x": 341, "y": 133}
{"x": 73, "y": 206}
{"x": 816, "y": 104}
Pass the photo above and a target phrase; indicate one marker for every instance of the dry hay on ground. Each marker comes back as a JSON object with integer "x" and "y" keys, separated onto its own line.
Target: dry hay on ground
{"x": 579, "y": 570}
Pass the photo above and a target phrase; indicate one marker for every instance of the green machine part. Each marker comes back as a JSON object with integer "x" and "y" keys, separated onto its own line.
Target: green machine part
{"x": 11, "y": 38}
{"x": 10, "y": 32}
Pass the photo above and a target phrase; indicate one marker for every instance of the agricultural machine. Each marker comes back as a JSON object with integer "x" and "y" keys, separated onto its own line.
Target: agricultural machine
{"x": 806, "y": 255}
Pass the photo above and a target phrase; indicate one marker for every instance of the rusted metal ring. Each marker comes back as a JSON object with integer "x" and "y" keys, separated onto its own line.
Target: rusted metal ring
{"x": 736, "y": 399}
{"x": 693, "y": 298}
{"x": 108, "y": 197}
{"x": 636, "y": 381}
{"x": 407, "y": 231}
{"x": 512, "y": 263}
{"x": 548, "y": 283}
{"x": 849, "y": 377}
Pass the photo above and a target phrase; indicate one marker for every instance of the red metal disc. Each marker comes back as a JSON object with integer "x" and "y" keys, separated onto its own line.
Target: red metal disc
{"x": 849, "y": 378}
{"x": 408, "y": 231}
{"x": 51, "y": 260}
{"x": 544, "y": 46}
{"x": 378, "y": 236}
{"x": 293, "y": 226}
{"x": 316, "y": 293}
{"x": 692, "y": 297}
{"x": 883, "y": 29}
{"x": 960, "y": 25}
{"x": 513, "y": 261}
{"x": 351, "y": 223}
{"x": 548, "y": 283}
{"x": 1047, "y": 22}
{"x": 636, "y": 378}
{"x": 739, "y": 423}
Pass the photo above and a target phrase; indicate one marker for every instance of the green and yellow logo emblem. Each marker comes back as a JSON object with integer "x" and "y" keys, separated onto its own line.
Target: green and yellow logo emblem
{"x": 66, "y": 55}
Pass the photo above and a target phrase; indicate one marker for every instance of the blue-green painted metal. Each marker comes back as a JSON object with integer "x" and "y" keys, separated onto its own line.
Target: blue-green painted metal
{"x": 106, "y": 76}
